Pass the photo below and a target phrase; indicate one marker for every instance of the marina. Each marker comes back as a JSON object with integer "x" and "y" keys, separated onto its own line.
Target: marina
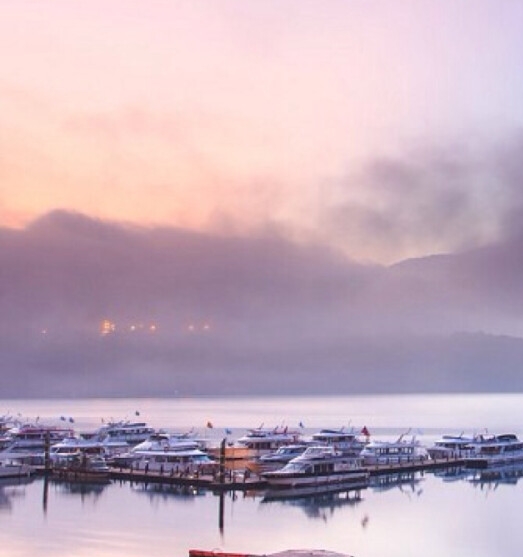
{"x": 127, "y": 509}
{"x": 237, "y": 480}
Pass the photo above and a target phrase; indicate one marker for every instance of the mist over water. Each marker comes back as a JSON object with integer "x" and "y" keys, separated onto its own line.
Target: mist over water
{"x": 380, "y": 413}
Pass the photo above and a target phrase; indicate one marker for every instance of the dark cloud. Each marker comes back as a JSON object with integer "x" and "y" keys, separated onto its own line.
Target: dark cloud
{"x": 430, "y": 200}
{"x": 236, "y": 315}
{"x": 508, "y": 164}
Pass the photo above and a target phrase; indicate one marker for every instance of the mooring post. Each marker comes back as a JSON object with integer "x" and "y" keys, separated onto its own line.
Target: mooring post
{"x": 220, "y": 511}
{"x": 222, "y": 461}
{"x": 47, "y": 458}
{"x": 46, "y": 493}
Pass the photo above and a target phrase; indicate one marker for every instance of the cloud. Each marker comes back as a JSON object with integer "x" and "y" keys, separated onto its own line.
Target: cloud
{"x": 74, "y": 266}
{"x": 201, "y": 313}
{"x": 429, "y": 200}
{"x": 508, "y": 163}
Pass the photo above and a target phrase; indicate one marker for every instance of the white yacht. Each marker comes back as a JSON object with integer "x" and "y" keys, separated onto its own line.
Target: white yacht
{"x": 493, "y": 450}
{"x": 277, "y": 459}
{"x": 165, "y": 441}
{"x": 14, "y": 469}
{"x": 342, "y": 440}
{"x": 170, "y": 453}
{"x": 70, "y": 447}
{"x": 318, "y": 465}
{"x": 393, "y": 452}
{"x": 451, "y": 447}
{"x": 179, "y": 460}
{"x": 33, "y": 437}
{"x": 27, "y": 443}
{"x": 131, "y": 433}
{"x": 82, "y": 467}
{"x": 258, "y": 442}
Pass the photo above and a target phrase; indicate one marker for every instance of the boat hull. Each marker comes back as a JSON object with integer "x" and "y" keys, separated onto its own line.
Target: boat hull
{"x": 285, "y": 480}
{"x": 15, "y": 471}
{"x": 491, "y": 461}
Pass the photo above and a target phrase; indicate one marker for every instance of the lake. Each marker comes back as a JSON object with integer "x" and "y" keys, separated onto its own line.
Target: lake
{"x": 453, "y": 513}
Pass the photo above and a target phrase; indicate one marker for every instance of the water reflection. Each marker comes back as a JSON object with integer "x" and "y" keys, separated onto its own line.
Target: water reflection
{"x": 155, "y": 491}
{"x": 491, "y": 478}
{"x": 452, "y": 473}
{"x": 316, "y": 502}
{"x": 406, "y": 482}
{"x": 133, "y": 519}
{"x": 11, "y": 489}
{"x": 83, "y": 489}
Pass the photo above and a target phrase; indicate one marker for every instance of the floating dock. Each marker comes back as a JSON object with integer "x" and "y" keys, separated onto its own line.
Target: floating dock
{"x": 233, "y": 480}
{"x": 415, "y": 466}
{"x": 236, "y": 480}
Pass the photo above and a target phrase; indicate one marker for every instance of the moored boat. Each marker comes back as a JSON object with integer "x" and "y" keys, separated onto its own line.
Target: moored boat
{"x": 183, "y": 461}
{"x": 257, "y": 442}
{"x": 394, "y": 452}
{"x": 27, "y": 443}
{"x": 30, "y": 437}
{"x": 70, "y": 447}
{"x": 277, "y": 459}
{"x": 169, "y": 454}
{"x": 165, "y": 451}
{"x": 343, "y": 440}
{"x": 318, "y": 465}
{"x": 83, "y": 467}
{"x": 451, "y": 447}
{"x": 14, "y": 469}
{"x": 494, "y": 450}
{"x": 125, "y": 431}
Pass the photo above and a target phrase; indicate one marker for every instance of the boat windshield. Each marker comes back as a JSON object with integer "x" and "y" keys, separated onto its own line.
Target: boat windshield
{"x": 297, "y": 467}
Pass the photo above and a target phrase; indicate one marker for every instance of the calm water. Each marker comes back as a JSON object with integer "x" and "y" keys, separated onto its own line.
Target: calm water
{"x": 430, "y": 515}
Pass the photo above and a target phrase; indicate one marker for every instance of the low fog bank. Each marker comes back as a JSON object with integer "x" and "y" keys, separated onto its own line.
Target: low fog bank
{"x": 189, "y": 313}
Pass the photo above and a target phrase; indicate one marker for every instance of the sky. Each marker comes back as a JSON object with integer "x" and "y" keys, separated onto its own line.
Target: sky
{"x": 266, "y": 188}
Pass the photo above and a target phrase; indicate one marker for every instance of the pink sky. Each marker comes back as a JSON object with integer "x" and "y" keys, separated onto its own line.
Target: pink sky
{"x": 242, "y": 115}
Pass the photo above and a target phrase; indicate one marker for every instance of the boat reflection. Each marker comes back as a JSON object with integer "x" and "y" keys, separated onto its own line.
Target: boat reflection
{"x": 407, "y": 482}
{"x": 452, "y": 474}
{"x": 10, "y": 489}
{"x": 491, "y": 478}
{"x": 82, "y": 488}
{"x": 157, "y": 491}
{"x": 315, "y": 501}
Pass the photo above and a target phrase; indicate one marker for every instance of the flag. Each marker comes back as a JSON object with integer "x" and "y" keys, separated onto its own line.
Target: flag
{"x": 365, "y": 431}
{"x": 62, "y": 418}
{"x": 301, "y": 425}
{"x": 71, "y": 420}
{"x": 209, "y": 425}
{"x": 228, "y": 431}
{"x": 137, "y": 413}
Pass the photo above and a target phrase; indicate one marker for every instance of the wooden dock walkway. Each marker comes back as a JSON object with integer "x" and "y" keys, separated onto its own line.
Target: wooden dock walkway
{"x": 415, "y": 466}
{"x": 231, "y": 482}
{"x": 236, "y": 480}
